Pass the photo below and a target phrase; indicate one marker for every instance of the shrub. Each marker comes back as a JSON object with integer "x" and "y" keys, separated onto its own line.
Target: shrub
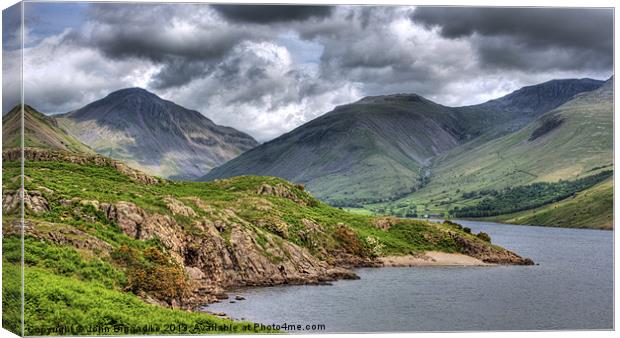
{"x": 484, "y": 236}
{"x": 153, "y": 272}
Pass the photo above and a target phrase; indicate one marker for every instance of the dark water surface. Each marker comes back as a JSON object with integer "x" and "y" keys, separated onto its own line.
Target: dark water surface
{"x": 572, "y": 288}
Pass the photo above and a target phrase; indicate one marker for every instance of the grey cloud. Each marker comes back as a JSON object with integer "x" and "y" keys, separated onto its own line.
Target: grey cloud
{"x": 11, "y": 27}
{"x": 511, "y": 53}
{"x": 11, "y": 57}
{"x": 178, "y": 71}
{"x": 507, "y": 37}
{"x": 265, "y": 14}
{"x": 362, "y": 46}
{"x": 241, "y": 73}
{"x": 184, "y": 39}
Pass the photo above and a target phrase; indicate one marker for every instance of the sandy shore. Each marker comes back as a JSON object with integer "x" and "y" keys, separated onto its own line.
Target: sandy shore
{"x": 432, "y": 258}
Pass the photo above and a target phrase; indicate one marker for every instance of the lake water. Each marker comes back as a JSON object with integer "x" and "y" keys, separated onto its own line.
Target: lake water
{"x": 571, "y": 288}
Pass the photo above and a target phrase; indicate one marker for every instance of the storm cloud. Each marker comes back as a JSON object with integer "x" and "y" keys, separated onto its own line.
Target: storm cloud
{"x": 264, "y": 14}
{"x": 268, "y": 69}
{"x": 529, "y": 38}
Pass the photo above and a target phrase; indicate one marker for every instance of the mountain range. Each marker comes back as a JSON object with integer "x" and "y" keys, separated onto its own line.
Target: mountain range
{"x": 383, "y": 148}
{"x": 155, "y": 135}
{"x": 398, "y": 154}
{"x": 572, "y": 141}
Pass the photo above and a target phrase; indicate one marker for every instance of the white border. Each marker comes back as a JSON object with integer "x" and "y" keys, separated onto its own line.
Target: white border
{"x": 507, "y": 3}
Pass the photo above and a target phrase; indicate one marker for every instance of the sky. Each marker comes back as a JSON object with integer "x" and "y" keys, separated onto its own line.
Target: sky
{"x": 266, "y": 70}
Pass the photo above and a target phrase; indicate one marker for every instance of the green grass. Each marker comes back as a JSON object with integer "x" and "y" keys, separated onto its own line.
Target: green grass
{"x": 59, "y": 305}
{"x": 63, "y": 260}
{"x": 359, "y": 211}
{"x": 582, "y": 145}
{"x": 68, "y": 180}
{"x": 526, "y": 197}
{"x": 591, "y": 208}
{"x": 66, "y": 290}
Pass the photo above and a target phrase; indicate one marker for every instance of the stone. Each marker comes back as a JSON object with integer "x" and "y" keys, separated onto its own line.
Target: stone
{"x": 200, "y": 204}
{"x": 93, "y": 203}
{"x": 384, "y": 223}
{"x": 65, "y": 202}
{"x": 46, "y": 190}
{"x": 35, "y": 202}
{"x": 194, "y": 272}
{"x": 280, "y": 190}
{"x": 178, "y": 208}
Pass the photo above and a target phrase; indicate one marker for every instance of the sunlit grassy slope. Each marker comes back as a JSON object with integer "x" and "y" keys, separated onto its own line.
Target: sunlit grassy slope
{"x": 370, "y": 150}
{"x": 591, "y": 208}
{"x": 39, "y": 131}
{"x": 574, "y": 140}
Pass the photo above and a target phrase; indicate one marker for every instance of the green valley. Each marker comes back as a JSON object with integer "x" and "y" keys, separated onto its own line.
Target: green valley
{"x": 569, "y": 143}
{"x": 406, "y": 156}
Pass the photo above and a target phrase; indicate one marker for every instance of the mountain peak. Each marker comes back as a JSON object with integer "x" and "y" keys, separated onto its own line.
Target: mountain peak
{"x": 132, "y": 91}
{"x": 392, "y": 98}
{"x": 536, "y": 99}
{"x": 155, "y": 135}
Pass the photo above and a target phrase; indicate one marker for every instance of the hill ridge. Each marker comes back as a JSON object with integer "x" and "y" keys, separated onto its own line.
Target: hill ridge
{"x": 389, "y": 139}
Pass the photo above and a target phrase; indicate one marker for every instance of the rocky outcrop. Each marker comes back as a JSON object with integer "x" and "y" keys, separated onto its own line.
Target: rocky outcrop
{"x": 384, "y": 223}
{"x": 36, "y": 154}
{"x": 199, "y": 203}
{"x": 477, "y": 248}
{"x": 34, "y": 202}
{"x": 178, "y": 208}
{"x": 216, "y": 248}
{"x": 57, "y": 233}
{"x": 280, "y": 190}
{"x": 223, "y": 253}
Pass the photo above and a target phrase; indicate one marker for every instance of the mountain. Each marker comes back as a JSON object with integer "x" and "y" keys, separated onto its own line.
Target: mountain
{"x": 381, "y": 148}
{"x": 39, "y": 131}
{"x": 154, "y": 135}
{"x": 572, "y": 141}
{"x": 369, "y": 150}
{"x": 513, "y": 111}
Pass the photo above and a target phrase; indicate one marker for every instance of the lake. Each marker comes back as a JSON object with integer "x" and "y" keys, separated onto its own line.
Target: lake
{"x": 570, "y": 289}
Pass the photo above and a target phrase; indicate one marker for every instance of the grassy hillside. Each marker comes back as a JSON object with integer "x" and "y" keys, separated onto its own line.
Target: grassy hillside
{"x": 591, "y": 208}
{"x": 106, "y": 248}
{"x": 570, "y": 142}
{"x": 39, "y": 131}
{"x": 387, "y": 139}
{"x": 382, "y": 148}
{"x": 60, "y": 305}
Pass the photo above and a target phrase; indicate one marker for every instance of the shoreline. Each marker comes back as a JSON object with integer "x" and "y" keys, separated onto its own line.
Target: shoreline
{"x": 427, "y": 259}
{"x": 432, "y": 258}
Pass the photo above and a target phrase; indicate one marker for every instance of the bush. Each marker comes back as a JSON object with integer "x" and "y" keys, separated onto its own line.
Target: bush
{"x": 153, "y": 272}
{"x": 467, "y": 230}
{"x": 484, "y": 236}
